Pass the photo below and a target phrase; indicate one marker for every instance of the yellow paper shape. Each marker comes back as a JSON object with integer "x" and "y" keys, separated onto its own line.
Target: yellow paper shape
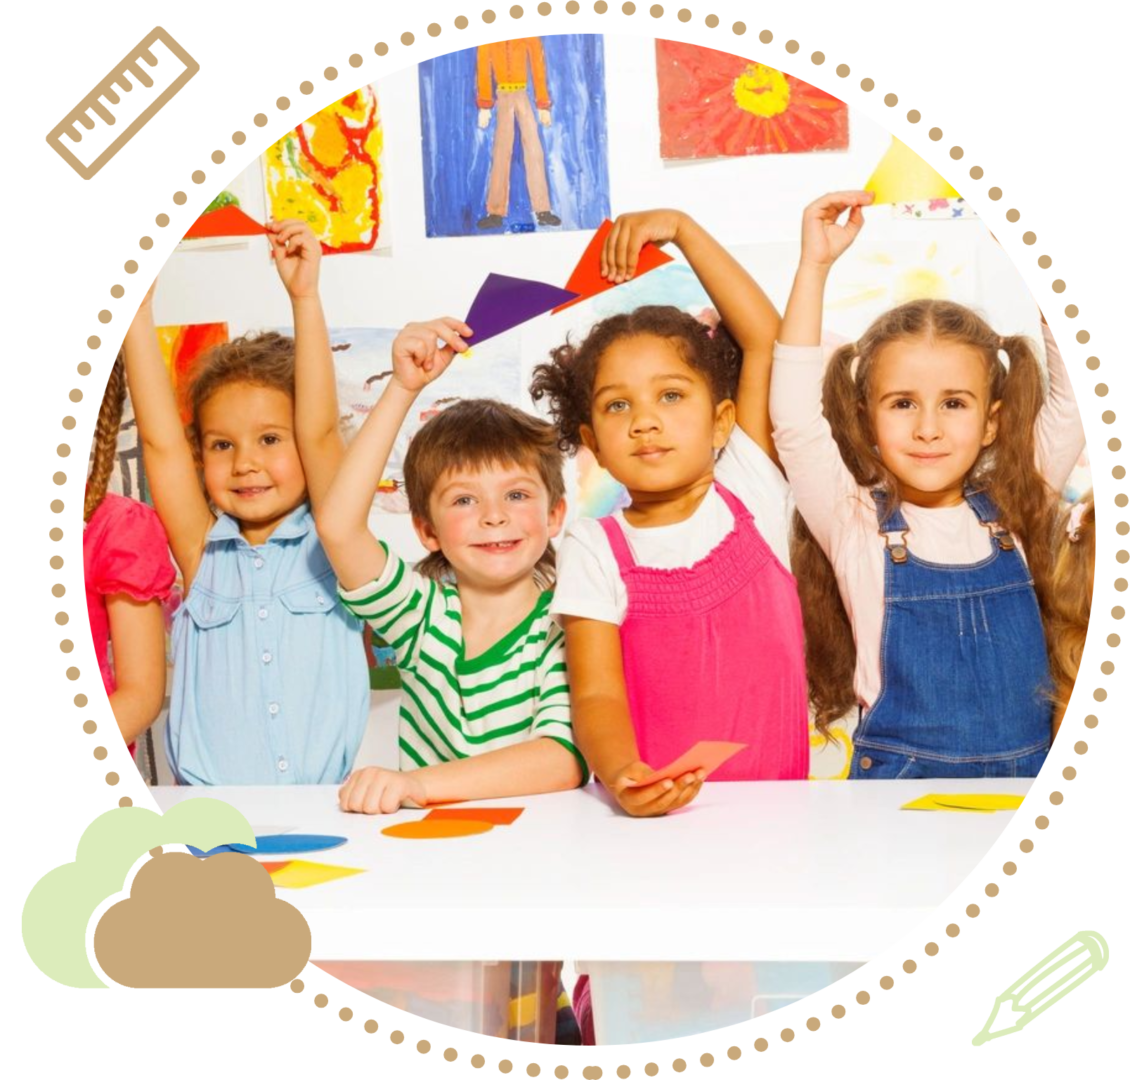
{"x": 929, "y": 802}
{"x": 982, "y": 804}
{"x": 300, "y": 874}
{"x": 902, "y": 176}
{"x": 979, "y": 802}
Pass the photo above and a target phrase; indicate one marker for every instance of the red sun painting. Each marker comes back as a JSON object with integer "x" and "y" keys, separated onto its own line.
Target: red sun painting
{"x": 713, "y": 104}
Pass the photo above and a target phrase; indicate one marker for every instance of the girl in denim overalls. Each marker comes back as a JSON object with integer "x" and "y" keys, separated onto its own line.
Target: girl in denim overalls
{"x": 924, "y": 474}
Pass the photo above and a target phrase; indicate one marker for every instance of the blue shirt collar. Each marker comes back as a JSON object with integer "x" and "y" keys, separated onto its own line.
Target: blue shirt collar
{"x": 294, "y": 526}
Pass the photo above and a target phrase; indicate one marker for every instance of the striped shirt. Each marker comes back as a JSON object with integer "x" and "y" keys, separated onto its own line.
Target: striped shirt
{"x": 451, "y": 707}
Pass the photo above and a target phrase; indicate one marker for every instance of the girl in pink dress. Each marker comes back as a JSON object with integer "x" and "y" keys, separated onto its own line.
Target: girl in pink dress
{"x": 128, "y": 573}
{"x": 682, "y": 621}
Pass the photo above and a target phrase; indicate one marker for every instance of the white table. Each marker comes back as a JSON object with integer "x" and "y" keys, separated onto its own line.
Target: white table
{"x": 804, "y": 870}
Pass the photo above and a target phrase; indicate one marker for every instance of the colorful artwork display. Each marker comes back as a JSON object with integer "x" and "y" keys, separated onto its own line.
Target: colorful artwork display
{"x": 515, "y": 137}
{"x": 328, "y": 171}
{"x": 181, "y": 346}
{"x": 902, "y": 176}
{"x": 228, "y": 206}
{"x": 714, "y": 104}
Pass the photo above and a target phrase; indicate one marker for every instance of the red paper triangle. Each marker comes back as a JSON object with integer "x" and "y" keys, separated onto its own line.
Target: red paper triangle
{"x": 226, "y": 221}
{"x": 586, "y": 280}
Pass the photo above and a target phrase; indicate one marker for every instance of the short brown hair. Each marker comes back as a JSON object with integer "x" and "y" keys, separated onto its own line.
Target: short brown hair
{"x": 478, "y": 433}
{"x": 265, "y": 359}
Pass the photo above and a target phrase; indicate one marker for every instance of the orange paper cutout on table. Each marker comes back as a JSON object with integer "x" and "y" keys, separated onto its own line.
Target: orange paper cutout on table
{"x": 703, "y": 755}
{"x": 586, "y": 280}
{"x": 496, "y": 815}
{"x": 226, "y": 221}
{"x": 271, "y": 867}
{"x": 436, "y": 830}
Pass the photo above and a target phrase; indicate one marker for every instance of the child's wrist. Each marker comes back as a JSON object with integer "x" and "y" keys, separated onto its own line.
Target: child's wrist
{"x": 814, "y": 267}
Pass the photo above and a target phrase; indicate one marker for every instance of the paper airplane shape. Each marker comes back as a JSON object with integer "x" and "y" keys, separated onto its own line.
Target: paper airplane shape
{"x": 586, "y": 281}
{"x": 902, "y": 176}
{"x": 505, "y": 302}
{"x": 226, "y": 221}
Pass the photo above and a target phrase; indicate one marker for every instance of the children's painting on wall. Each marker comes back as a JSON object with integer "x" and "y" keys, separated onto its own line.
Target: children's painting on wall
{"x": 234, "y": 196}
{"x": 363, "y": 361}
{"x": 181, "y": 346}
{"x": 328, "y": 171}
{"x": 515, "y": 137}
{"x": 713, "y": 104}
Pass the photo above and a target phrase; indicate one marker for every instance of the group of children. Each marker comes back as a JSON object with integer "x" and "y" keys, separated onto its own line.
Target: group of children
{"x": 917, "y": 579}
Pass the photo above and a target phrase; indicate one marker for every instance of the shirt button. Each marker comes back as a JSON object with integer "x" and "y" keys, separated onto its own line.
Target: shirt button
{"x": 266, "y": 658}
{"x": 258, "y": 563}
{"x": 320, "y": 598}
{"x": 262, "y": 613}
{"x": 283, "y": 764}
{"x": 273, "y": 708}
{"x": 865, "y": 763}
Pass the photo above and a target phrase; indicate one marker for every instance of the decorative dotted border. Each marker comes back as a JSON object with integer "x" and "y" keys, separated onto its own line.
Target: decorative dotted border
{"x": 533, "y": 1070}
{"x": 516, "y": 12}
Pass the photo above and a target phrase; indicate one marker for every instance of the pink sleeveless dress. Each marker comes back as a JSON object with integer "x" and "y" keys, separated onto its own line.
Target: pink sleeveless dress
{"x": 713, "y": 651}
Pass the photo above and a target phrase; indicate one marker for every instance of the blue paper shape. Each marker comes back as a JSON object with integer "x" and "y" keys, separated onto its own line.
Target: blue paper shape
{"x": 286, "y": 844}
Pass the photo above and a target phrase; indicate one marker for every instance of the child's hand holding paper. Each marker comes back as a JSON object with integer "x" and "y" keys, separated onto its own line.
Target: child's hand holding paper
{"x": 642, "y": 792}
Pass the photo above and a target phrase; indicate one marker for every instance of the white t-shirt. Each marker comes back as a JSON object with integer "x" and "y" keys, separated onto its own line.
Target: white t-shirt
{"x": 588, "y": 580}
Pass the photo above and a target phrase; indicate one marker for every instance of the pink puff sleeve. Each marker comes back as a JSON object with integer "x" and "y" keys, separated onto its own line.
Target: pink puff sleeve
{"x": 125, "y": 550}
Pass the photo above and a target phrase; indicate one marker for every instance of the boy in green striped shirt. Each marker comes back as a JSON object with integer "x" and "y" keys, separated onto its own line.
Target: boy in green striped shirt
{"x": 485, "y": 701}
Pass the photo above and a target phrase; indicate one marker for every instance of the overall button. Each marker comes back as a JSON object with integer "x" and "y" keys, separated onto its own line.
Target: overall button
{"x": 273, "y": 708}
{"x": 258, "y": 563}
{"x": 266, "y": 658}
{"x": 262, "y": 613}
{"x": 865, "y": 763}
{"x": 283, "y": 764}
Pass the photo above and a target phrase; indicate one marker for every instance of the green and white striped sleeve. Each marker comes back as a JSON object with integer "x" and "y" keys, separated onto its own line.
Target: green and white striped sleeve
{"x": 552, "y": 715}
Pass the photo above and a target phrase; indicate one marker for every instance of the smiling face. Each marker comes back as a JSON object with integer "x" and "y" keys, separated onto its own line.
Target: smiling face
{"x": 250, "y": 459}
{"x": 931, "y": 416}
{"x": 655, "y": 425}
{"x": 492, "y": 524}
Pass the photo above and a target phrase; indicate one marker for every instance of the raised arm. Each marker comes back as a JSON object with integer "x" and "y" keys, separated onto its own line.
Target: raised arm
{"x": 297, "y": 256}
{"x": 821, "y": 483}
{"x": 137, "y": 636}
{"x": 742, "y": 305}
{"x": 343, "y": 516}
{"x": 1059, "y": 428}
{"x": 169, "y": 461}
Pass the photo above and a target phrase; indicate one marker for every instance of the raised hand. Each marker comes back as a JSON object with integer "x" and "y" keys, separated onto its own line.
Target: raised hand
{"x": 823, "y": 239}
{"x": 418, "y": 357}
{"x": 621, "y": 254}
{"x": 297, "y": 255}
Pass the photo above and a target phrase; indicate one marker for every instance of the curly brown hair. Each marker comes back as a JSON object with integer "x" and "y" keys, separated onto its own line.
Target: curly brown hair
{"x": 480, "y": 433}
{"x": 263, "y": 359}
{"x": 567, "y": 379}
{"x": 105, "y": 448}
{"x": 1005, "y": 470}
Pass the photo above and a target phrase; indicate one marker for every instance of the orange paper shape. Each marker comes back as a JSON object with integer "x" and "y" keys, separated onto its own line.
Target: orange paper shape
{"x": 271, "y": 867}
{"x": 586, "y": 280}
{"x": 703, "y": 755}
{"x": 496, "y": 815}
{"x": 436, "y": 830}
{"x": 226, "y": 221}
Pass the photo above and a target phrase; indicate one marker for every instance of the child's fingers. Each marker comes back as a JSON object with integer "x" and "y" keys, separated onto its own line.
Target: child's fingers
{"x": 608, "y": 252}
{"x": 456, "y": 324}
{"x": 624, "y": 244}
{"x": 450, "y": 335}
{"x": 390, "y": 798}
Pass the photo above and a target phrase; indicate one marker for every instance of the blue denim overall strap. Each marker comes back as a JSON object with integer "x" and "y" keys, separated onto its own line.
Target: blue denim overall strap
{"x": 964, "y": 663}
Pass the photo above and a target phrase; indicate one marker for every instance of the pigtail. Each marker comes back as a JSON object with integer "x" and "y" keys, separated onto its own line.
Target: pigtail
{"x": 105, "y": 449}
{"x": 830, "y": 653}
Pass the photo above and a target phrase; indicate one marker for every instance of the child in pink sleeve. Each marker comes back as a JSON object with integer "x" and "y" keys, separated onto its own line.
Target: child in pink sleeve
{"x": 128, "y": 573}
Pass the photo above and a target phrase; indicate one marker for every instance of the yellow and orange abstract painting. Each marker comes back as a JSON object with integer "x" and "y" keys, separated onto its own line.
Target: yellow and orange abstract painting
{"x": 328, "y": 172}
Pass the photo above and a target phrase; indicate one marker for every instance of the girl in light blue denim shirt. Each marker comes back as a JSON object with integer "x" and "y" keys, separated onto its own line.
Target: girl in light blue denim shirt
{"x": 270, "y": 681}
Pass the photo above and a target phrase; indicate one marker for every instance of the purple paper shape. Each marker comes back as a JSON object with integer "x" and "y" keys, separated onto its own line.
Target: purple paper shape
{"x": 505, "y": 302}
